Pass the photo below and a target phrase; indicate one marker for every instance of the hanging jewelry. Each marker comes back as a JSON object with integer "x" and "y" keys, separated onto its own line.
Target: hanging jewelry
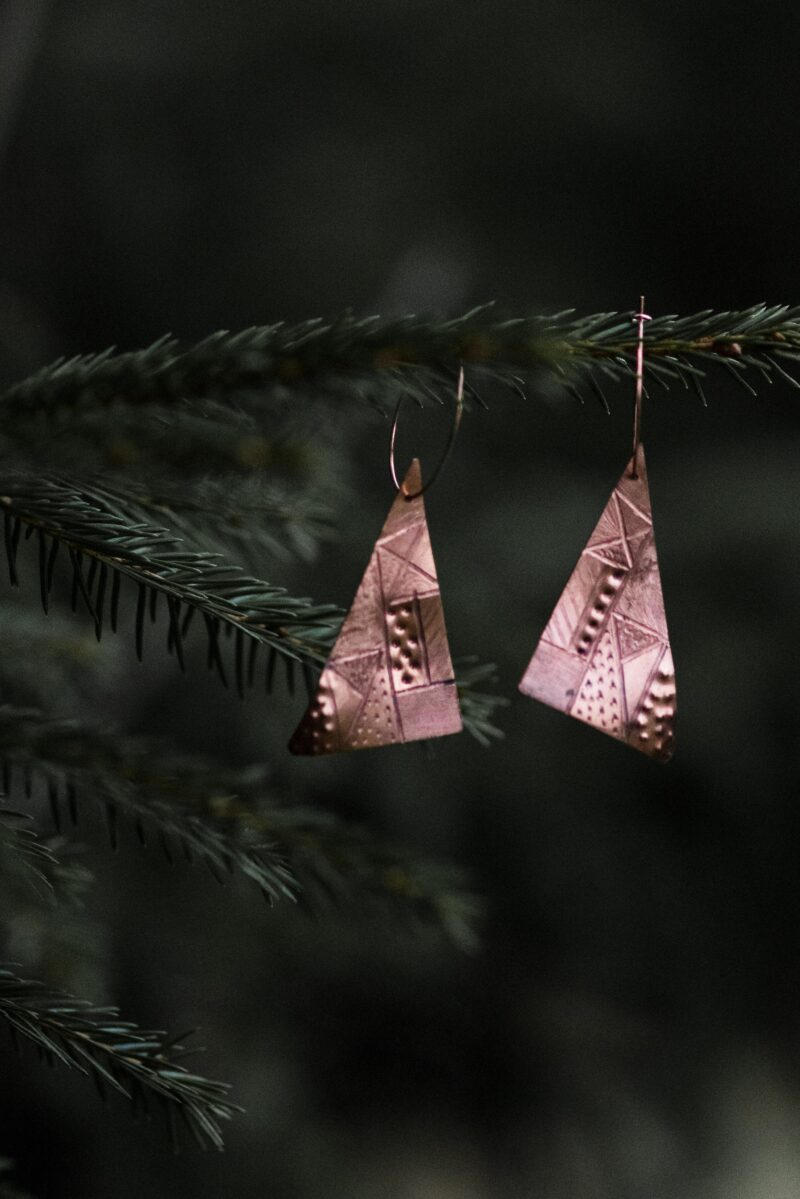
{"x": 605, "y": 655}
{"x": 389, "y": 677}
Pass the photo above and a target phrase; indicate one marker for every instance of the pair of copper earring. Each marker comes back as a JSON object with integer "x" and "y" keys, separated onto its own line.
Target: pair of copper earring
{"x": 603, "y": 658}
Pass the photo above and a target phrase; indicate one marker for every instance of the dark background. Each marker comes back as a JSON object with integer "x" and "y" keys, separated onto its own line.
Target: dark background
{"x": 630, "y": 1029}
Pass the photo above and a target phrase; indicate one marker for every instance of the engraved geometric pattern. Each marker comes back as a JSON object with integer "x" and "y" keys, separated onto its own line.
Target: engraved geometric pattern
{"x": 389, "y": 677}
{"x": 605, "y": 656}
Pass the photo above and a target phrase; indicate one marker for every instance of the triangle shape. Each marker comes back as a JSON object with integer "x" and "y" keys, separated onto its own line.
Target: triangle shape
{"x": 606, "y": 681}
{"x": 358, "y": 670}
{"x": 401, "y": 575}
{"x": 390, "y": 569}
{"x": 634, "y": 520}
{"x": 394, "y": 552}
{"x": 638, "y": 675}
{"x": 412, "y": 548}
{"x": 607, "y": 529}
{"x": 633, "y": 639}
{"x": 613, "y": 553}
{"x": 637, "y": 540}
{"x": 389, "y": 677}
{"x": 401, "y": 543}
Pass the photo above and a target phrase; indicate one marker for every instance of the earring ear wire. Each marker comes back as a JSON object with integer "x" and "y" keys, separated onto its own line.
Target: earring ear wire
{"x": 639, "y": 318}
{"x": 457, "y": 414}
{"x": 605, "y": 655}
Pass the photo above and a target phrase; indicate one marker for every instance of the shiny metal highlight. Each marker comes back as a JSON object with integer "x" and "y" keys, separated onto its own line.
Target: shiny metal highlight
{"x": 639, "y": 319}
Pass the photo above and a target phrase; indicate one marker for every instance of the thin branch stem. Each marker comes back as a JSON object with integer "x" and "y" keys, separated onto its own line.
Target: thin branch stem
{"x": 383, "y": 359}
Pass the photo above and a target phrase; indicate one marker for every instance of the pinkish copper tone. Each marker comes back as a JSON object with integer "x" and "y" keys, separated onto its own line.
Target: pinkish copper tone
{"x": 605, "y": 656}
{"x": 389, "y": 678}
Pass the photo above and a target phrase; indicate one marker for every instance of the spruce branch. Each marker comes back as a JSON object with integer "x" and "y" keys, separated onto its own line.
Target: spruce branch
{"x": 124, "y": 776}
{"x": 479, "y": 708}
{"x": 45, "y": 920}
{"x": 342, "y": 863}
{"x": 91, "y": 522}
{"x": 254, "y": 516}
{"x": 116, "y": 1054}
{"x": 230, "y": 820}
{"x": 106, "y": 528}
{"x": 21, "y": 847}
{"x": 381, "y": 359}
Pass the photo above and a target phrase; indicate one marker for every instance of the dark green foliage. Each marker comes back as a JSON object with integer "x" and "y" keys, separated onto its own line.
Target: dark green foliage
{"x": 230, "y": 821}
{"x": 381, "y": 360}
{"x": 117, "y": 1055}
{"x": 94, "y": 523}
{"x": 105, "y": 538}
{"x": 165, "y": 483}
{"x": 126, "y": 777}
{"x": 21, "y": 843}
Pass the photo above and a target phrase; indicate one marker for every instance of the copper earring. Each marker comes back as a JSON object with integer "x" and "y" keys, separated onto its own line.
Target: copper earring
{"x": 389, "y": 677}
{"x": 605, "y": 656}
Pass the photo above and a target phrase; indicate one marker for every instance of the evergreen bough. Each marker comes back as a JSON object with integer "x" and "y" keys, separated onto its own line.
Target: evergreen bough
{"x": 153, "y": 481}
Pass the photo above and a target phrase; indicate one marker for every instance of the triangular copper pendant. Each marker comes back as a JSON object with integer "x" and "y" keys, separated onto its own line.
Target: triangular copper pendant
{"x": 605, "y": 656}
{"x": 389, "y": 677}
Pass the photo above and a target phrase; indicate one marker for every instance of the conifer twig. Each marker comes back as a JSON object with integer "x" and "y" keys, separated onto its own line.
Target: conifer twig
{"x": 381, "y": 359}
{"x": 258, "y": 515}
{"x": 89, "y": 522}
{"x": 107, "y": 531}
{"x": 343, "y": 862}
{"x": 22, "y": 846}
{"x": 230, "y": 820}
{"x": 124, "y": 776}
{"x": 116, "y": 1054}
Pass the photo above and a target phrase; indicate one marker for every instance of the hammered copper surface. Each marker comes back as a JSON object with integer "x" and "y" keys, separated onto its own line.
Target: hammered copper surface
{"x": 605, "y": 656}
{"x": 389, "y": 677}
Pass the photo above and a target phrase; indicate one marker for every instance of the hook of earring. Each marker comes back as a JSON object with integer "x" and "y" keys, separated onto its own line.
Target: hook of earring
{"x": 445, "y": 452}
{"x": 638, "y": 319}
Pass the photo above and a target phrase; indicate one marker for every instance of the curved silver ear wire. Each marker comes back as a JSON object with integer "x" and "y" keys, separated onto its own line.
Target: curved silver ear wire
{"x": 445, "y": 453}
{"x": 639, "y": 318}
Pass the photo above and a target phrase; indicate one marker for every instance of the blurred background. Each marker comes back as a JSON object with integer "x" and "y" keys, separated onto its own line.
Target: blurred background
{"x": 629, "y": 1029}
